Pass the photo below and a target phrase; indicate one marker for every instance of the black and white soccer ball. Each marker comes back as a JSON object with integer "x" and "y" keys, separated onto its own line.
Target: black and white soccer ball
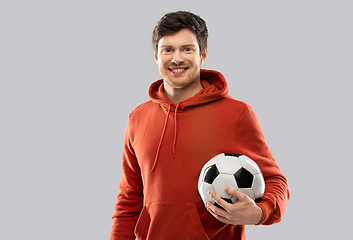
{"x": 234, "y": 171}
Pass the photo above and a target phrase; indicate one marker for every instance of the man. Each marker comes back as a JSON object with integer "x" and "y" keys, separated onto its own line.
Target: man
{"x": 189, "y": 119}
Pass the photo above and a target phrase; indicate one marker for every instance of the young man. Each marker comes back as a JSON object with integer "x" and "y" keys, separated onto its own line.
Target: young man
{"x": 189, "y": 119}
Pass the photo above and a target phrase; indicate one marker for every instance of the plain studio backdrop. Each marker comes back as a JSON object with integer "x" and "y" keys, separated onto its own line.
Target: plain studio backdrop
{"x": 72, "y": 70}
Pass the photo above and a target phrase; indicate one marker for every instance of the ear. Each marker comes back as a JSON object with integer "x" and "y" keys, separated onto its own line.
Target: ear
{"x": 155, "y": 56}
{"x": 203, "y": 56}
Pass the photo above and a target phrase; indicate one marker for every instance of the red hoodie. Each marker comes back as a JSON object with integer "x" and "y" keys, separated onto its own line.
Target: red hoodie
{"x": 165, "y": 148}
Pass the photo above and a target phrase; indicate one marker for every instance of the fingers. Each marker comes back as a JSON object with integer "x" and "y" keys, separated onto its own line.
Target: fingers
{"x": 218, "y": 213}
{"x": 219, "y": 200}
{"x": 239, "y": 196}
{"x": 243, "y": 212}
{"x": 235, "y": 193}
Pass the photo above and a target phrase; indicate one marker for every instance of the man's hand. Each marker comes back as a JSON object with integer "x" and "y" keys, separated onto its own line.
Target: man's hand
{"x": 243, "y": 212}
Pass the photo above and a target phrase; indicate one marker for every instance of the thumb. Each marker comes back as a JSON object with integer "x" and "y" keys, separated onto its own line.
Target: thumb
{"x": 235, "y": 193}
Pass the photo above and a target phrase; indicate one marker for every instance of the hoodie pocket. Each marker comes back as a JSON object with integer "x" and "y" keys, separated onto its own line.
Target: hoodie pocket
{"x": 170, "y": 221}
{"x": 142, "y": 224}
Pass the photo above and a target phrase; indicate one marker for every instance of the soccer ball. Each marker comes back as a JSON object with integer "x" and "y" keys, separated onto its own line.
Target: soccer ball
{"x": 234, "y": 171}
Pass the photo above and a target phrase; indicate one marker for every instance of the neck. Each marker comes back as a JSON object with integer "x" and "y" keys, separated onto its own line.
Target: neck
{"x": 177, "y": 95}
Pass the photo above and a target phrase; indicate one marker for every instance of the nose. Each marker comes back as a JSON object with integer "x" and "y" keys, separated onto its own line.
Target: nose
{"x": 177, "y": 58}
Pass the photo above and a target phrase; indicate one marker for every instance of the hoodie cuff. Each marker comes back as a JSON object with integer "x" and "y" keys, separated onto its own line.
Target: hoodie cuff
{"x": 265, "y": 207}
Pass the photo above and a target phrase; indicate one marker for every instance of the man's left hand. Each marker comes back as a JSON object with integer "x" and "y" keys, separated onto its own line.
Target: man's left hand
{"x": 243, "y": 212}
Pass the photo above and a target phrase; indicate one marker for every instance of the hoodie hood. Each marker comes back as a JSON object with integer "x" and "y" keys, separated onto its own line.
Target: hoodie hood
{"x": 214, "y": 88}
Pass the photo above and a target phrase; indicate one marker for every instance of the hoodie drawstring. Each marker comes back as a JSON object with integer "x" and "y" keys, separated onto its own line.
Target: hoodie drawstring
{"x": 160, "y": 141}
{"x": 163, "y": 133}
{"x": 175, "y": 130}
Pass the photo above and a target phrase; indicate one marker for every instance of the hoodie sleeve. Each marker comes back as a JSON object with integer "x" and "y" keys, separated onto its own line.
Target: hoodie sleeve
{"x": 130, "y": 196}
{"x": 251, "y": 142}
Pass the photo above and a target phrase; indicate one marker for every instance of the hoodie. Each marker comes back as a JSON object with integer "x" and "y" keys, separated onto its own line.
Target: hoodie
{"x": 165, "y": 148}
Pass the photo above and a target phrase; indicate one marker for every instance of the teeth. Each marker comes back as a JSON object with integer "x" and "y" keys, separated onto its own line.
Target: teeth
{"x": 178, "y": 70}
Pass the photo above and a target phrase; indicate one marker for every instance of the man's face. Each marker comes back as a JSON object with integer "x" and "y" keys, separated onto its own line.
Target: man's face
{"x": 179, "y": 60}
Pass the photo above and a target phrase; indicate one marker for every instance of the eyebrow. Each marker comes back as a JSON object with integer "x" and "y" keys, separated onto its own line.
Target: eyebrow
{"x": 184, "y": 46}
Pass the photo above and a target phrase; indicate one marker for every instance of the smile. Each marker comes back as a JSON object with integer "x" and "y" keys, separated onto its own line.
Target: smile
{"x": 178, "y": 70}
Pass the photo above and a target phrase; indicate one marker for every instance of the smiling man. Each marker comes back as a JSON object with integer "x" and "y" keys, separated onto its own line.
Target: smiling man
{"x": 179, "y": 62}
{"x": 189, "y": 119}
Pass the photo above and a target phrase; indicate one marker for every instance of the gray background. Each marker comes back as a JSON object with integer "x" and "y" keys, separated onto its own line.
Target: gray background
{"x": 71, "y": 71}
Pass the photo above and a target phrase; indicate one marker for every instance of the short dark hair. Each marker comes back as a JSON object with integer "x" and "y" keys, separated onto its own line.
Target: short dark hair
{"x": 173, "y": 22}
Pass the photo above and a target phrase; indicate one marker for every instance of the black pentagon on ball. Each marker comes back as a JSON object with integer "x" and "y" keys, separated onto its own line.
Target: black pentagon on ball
{"x": 244, "y": 178}
{"x": 232, "y": 154}
{"x": 210, "y": 174}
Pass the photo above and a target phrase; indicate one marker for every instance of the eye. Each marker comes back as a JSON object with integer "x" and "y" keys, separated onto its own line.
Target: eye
{"x": 167, "y": 50}
{"x": 187, "y": 50}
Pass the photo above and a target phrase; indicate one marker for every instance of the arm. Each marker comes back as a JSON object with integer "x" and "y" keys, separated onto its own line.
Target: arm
{"x": 130, "y": 196}
{"x": 251, "y": 142}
